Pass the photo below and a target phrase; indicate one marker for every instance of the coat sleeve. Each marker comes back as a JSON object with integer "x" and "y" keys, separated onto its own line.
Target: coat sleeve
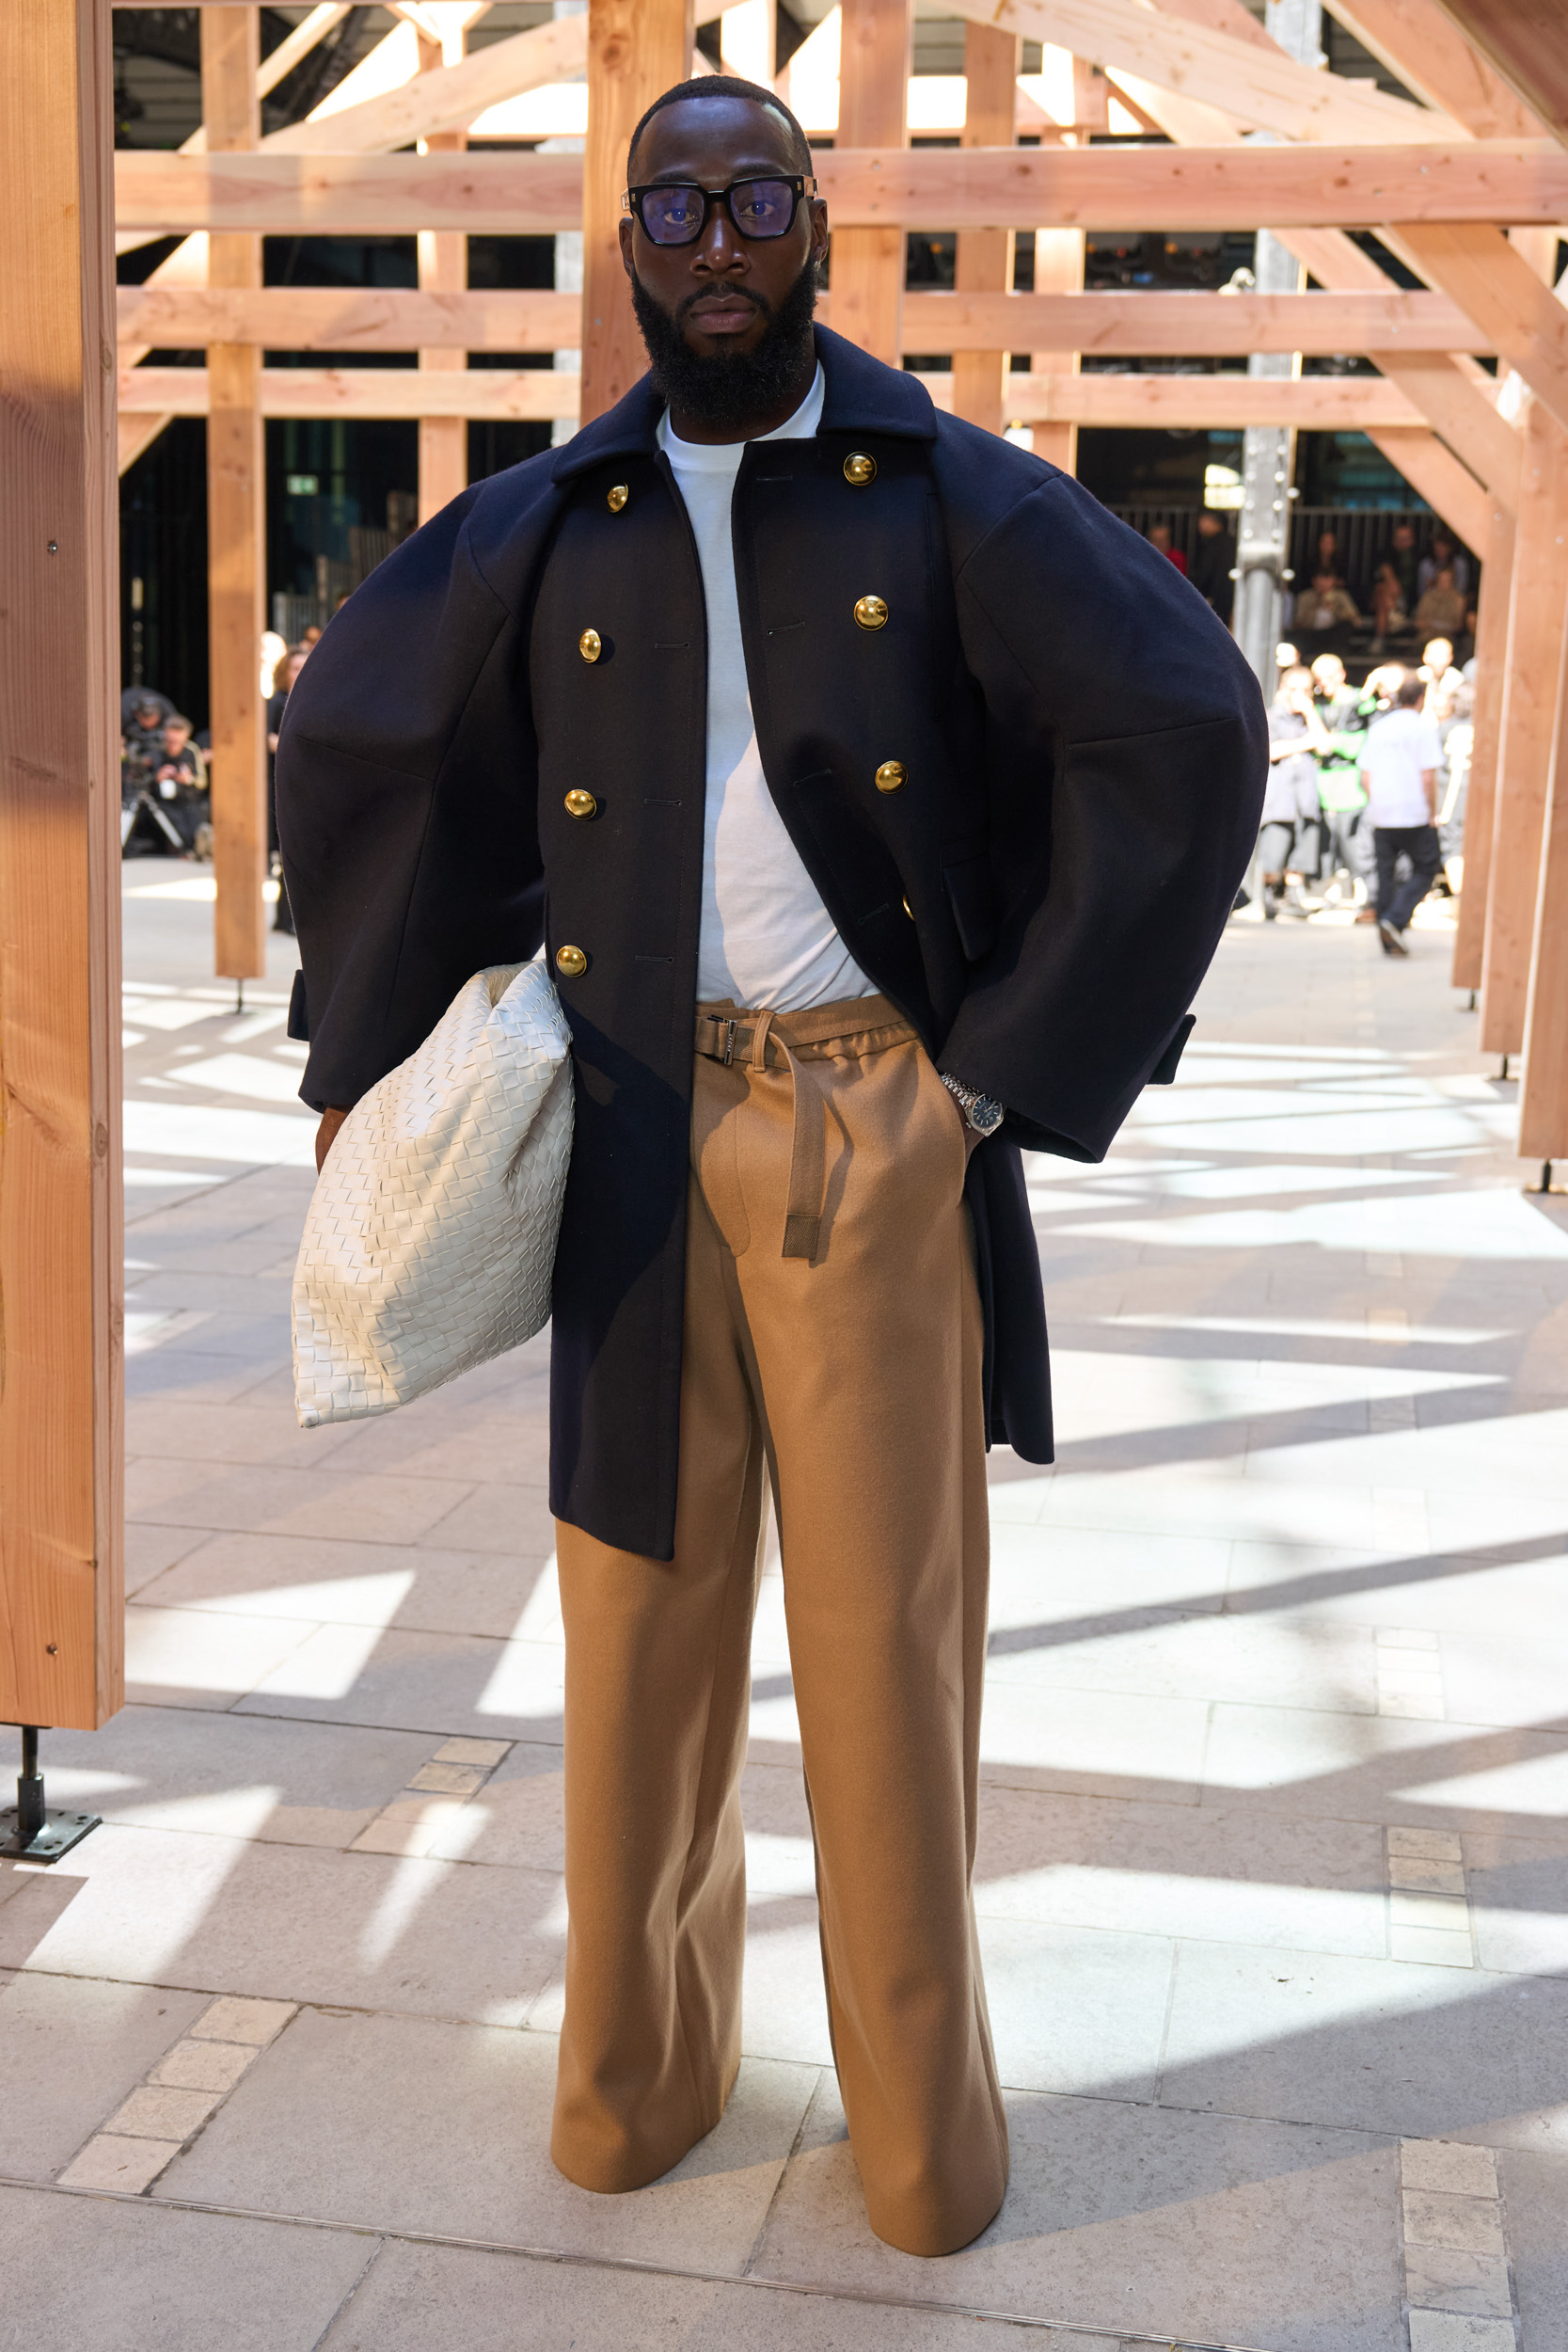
{"x": 406, "y": 808}
{"x": 1128, "y": 752}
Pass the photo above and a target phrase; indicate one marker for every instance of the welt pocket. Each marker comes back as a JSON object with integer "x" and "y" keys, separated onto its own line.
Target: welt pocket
{"x": 971, "y": 895}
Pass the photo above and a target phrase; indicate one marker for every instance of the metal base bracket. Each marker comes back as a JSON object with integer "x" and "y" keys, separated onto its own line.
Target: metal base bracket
{"x": 59, "y": 1832}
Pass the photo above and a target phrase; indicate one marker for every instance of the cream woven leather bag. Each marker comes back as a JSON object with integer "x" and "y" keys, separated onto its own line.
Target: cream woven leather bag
{"x": 431, "y": 1237}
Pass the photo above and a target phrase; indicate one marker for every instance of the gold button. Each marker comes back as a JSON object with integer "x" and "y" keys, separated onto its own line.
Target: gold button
{"x": 581, "y": 804}
{"x": 859, "y": 470}
{"x": 890, "y": 776}
{"x": 871, "y": 613}
{"x": 617, "y": 497}
{"x": 590, "y": 644}
{"x": 572, "y": 961}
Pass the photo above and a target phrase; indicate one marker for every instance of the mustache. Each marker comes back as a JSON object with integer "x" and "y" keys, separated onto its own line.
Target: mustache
{"x": 732, "y": 294}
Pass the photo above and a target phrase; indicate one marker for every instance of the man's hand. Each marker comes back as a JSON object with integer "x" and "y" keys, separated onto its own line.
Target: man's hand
{"x": 331, "y": 1122}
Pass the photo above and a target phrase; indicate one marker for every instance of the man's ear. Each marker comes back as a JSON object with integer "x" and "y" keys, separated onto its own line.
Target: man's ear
{"x": 625, "y": 227}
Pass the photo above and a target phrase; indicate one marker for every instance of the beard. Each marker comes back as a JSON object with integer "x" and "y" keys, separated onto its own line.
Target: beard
{"x": 726, "y": 392}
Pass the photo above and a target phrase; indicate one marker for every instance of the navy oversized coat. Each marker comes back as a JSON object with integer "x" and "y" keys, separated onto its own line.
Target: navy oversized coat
{"x": 1085, "y": 754}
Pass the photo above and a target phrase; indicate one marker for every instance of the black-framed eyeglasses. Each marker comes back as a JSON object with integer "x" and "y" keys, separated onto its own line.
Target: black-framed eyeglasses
{"x": 676, "y": 212}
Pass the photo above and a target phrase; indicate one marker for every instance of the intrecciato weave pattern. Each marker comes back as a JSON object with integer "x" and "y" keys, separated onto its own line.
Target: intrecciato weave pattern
{"x": 431, "y": 1237}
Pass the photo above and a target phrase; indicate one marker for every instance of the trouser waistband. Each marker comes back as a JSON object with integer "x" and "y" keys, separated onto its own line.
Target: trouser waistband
{"x": 856, "y": 1027}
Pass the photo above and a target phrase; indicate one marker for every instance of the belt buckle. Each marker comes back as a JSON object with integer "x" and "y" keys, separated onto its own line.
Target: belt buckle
{"x": 732, "y": 1029}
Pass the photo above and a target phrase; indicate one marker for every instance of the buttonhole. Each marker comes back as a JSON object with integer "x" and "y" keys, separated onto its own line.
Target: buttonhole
{"x": 652, "y": 959}
{"x": 785, "y": 629}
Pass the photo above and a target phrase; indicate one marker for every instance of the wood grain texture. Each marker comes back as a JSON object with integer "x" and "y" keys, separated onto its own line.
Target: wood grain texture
{"x": 61, "y": 1236}
{"x": 1476, "y": 266}
{"x": 1362, "y": 404}
{"x": 1526, "y": 41}
{"x": 1536, "y": 614}
{"x": 1430, "y": 54}
{"x": 1258, "y": 84}
{"x": 443, "y": 266}
{"x": 1492, "y": 623}
{"x": 1212, "y": 325}
{"x": 1543, "y": 1087}
{"x": 983, "y": 263}
{"x": 236, "y": 533}
{"x": 1089, "y": 187}
{"x": 866, "y": 263}
{"x": 636, "y": 50}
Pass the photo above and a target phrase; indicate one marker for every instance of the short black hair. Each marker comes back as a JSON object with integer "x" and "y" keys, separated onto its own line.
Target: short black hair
{"x": 727, "y": 85}
{"x": 1409, "y": 694}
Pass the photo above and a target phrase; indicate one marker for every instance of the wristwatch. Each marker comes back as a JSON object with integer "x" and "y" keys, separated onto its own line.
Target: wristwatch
{"x": 981, "y": 1111}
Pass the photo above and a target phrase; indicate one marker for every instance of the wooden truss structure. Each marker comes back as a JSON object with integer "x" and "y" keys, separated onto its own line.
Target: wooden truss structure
{"x": 1466, "y": 185}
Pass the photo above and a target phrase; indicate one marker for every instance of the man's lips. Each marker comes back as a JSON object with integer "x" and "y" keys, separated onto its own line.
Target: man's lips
{"x": 723, "y": 315}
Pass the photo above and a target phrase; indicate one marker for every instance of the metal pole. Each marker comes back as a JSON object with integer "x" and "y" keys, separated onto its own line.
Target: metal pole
{"x": 1268, "y": 454}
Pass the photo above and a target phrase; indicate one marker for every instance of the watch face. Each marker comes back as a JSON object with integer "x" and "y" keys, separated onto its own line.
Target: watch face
{"x": 987, "y": 1115}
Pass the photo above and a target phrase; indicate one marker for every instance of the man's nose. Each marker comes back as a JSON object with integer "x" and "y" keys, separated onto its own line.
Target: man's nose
{"x": 720, "y": 247}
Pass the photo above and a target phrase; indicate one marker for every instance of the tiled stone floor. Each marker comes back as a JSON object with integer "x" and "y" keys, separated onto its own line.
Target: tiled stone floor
{"x": 1273, "y": 1877}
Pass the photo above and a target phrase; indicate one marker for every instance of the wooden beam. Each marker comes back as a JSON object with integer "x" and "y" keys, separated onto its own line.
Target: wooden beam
{"x": 1311, "y": 403}
{"x": 1260, "y": 86}
{"x": 1436, "y": 475}
{"x": 442, "y": 260}
{"x": 1496, "y": 588}
{"x": 61, "y": 1229}
{"x": 1527, "y": 40}
{"x": 1536, "y": 614}
{"x": 636, "y": 50}
{"x": 1093, "y": 187}
{"x": 299, "y": 44}
{"x": 1543, "y": 1087}
{"x": 236, "y": 537}
{"x": 1420, "y": 44}
{"x": 1201, "y": 326}
{"x": 1463, "y": 412}
{"x": 866, "y": 263}
{"x": 1477, "y": 268}
{"x": 983, "y": 263}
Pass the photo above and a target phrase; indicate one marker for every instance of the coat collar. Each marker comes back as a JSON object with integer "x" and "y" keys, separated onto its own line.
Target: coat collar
{"x": 863, "y": 396}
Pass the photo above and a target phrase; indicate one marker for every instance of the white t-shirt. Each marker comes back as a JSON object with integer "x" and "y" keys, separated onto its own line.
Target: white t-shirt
{"x": 1398, "y": 747}
{"x": 767, "y": 938}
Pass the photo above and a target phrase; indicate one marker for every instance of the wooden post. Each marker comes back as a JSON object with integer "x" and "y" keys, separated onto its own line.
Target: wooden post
{"x": 1492, "y": 615}
{"x": 61, "y": 1229}
{"x": 236, "y": 481}
{"x": 636, "y": 50}
{"x": 1059, "y": 269}
{"x": 1544, "y": 1093}
{"x": 1536, "y": 610}
{"x": 985, "y": 256}
{"x": 866, "y": 266}
{"x": 443, "y": 261}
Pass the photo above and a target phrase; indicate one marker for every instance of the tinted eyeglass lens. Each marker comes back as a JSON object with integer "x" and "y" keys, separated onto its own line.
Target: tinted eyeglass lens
{"x": 762, "y": 208}
{"x": 672, "y": 215}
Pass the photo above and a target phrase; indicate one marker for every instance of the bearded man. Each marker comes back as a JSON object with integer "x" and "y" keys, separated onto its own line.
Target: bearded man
{"x": 879, "y": 800}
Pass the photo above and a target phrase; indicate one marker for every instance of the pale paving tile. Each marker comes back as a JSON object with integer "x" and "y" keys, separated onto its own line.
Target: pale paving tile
{"x": 253, "y": 2023}
{"x": 1450, "y": 2331}
{"x": 1476, "y": 2285}
{"x": 433, "y": 1682}
{"x": 203, "y": 2065}
{"x": 1469, "y": 2225}
{"x": 234, "y": 1433}
{"x": 283, "y": 1500}
{"x": 1110, "y": 1743}
{"x": 139, "y": 2277}
{"x": 1381, "y": 1768}
{"x": 378, "y": 2120}
{"x": 1255, "y": 2231}
{"x": 1535, "y": 2188}
{"x": 1280, "y": 1660}
{"x": 352, "y": 1583}
{"x": 362, "y": 1930}
{"x": 111, "y": 2162}
{"x": 72, "y": 2047}
{"x": 1518, "y": 1890}
{"x": 408, "y": 2299}
{"x": 194, "y": 1660}
{"x": 493, "y": 1517}
{"x": 1429, "y": 2052}
{"x": 154, "y": 2111}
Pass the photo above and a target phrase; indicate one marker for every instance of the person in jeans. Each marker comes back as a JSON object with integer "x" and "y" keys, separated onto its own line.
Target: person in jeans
{"x": 879, "y": 800}
{"x": 1399, "y": 768}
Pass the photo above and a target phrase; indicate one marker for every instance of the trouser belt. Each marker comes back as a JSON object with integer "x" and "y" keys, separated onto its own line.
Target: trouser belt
{"x": 756, "y": 1041}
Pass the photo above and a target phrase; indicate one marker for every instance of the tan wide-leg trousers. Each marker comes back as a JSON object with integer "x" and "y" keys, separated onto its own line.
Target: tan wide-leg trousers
{"x": 850, "y": 1375}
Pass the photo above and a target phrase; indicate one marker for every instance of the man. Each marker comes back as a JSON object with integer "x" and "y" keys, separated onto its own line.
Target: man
{"x": 1327, "y": 604}
{"x": 181, "y": 783}
{"x": 1214, "y": 564}
{"x": 1441, "y": 607}
{"x": 1394, "y": 588}
{"x": 1398, "y": 766}
{"x": 830, "y": 743}
{"x": 1289, "y": 846}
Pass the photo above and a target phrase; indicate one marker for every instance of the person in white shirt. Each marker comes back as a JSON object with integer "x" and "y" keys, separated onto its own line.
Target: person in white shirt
{"x": 1398, "y": 769}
